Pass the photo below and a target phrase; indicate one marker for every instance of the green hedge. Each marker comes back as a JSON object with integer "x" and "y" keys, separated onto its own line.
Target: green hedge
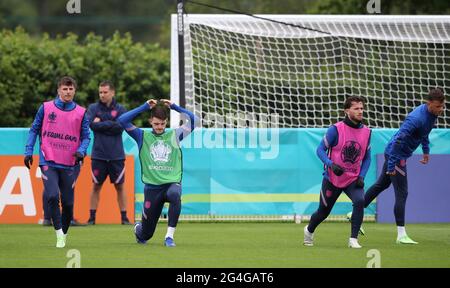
{"x": 30, "y": 68}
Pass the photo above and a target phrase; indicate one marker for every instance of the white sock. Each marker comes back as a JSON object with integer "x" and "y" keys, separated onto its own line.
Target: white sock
{"x": 308, "y": 233}
{"x": 401, "y": 231}
{"x": 354, "y": 240}
{"x": 170, "y": 231}
{"x": 59, "y": 232}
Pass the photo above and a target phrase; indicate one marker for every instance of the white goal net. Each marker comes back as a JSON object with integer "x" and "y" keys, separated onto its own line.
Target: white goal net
{"x": 302, "y": 67}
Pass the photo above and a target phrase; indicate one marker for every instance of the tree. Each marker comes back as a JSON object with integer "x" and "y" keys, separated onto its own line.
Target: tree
{"x": 30, "y": 68}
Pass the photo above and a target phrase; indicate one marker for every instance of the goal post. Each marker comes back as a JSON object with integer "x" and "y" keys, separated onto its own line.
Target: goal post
{"x": 302, "y": 67}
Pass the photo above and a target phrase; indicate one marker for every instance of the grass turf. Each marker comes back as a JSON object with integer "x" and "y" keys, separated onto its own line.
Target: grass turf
{"x": 232, "y": 245}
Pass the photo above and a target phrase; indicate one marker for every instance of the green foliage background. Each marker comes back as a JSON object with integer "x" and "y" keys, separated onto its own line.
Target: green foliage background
{"x": 110, "y": 39}
{"x": 30, "y": 68}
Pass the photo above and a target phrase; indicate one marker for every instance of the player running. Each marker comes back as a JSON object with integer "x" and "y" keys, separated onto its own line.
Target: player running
{"x": 347, "y": 162}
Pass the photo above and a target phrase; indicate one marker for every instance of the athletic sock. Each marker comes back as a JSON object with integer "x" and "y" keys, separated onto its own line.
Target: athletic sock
{"x": 401, "y": 232}
{"x": 92, "y": 213}
{"x": 59, "y": 232}
{"x": 170, "y": 232}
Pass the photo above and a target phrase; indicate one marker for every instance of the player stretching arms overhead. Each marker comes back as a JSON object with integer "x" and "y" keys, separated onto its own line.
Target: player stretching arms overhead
{"x": 161, "y": 166}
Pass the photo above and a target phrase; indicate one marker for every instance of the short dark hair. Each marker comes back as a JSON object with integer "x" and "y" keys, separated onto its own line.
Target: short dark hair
{"x": 67, "y": 81}
{"x": 436, "y": 94}
{"x": 350, "y": 99}
{"x": 160, "y": 112}
{"x": 107, "y": 83}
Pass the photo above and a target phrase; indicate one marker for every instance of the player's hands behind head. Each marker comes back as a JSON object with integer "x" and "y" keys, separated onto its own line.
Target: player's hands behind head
{"x": 28, "y": 161}
{"x": 166, "y": 102}
{"x": 151, "y": 103}
{"x": 337, "y": 170}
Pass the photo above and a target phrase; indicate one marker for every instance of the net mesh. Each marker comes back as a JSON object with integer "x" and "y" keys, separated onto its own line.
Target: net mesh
{"x": 246, "y": 65}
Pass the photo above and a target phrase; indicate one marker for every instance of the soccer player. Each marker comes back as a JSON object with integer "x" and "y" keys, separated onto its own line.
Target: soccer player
{"x": 108, "y": 156}
{"x": 347, "y": 162}
{"x": 161, "y": 166}
{"x": 63, "y": 130}
{"x": 413, "y": 132}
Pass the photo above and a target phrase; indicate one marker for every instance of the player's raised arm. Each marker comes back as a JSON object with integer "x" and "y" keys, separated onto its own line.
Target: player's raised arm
{"x": 184, "y": 130}
{"x": 161, "y": 172}
{"x": 126, "y": 119}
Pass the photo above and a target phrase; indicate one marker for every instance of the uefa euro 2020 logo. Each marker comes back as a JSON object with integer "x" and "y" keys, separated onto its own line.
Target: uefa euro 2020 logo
{"x": 52, "y": 117}
{"x": 350, "y": 152}
{"x": 160, "y": 151}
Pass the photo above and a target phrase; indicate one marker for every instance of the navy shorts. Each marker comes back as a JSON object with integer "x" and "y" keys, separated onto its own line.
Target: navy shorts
{"x": 100, "y": 169}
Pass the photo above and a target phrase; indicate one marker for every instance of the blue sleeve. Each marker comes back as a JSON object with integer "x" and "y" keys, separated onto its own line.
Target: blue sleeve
{"x": 328, "y": 141}
{"x": 366, "y": 162}
{"x": 102, "y": 126}
{"x": 107, "y": 127}
{"x": 125, "y": 121}
{"x": 183, "y": 131}
{"x": 406, "y": 131}
{"x": 85, "y": 135}
{"x": 115, "y": 127}
{"x": 91, "y": 112}
{"x": 367, "y": 159}
{"x": 35, "y": 130}
{"x": 426, "y": 145}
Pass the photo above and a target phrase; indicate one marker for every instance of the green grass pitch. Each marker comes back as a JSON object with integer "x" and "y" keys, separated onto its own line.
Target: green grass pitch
{"x": 241, "y": 245}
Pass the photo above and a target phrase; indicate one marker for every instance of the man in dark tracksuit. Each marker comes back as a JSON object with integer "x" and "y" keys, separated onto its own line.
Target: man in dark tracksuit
{"x": 108, "y": 156}
{"x": 413, "y": 132}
